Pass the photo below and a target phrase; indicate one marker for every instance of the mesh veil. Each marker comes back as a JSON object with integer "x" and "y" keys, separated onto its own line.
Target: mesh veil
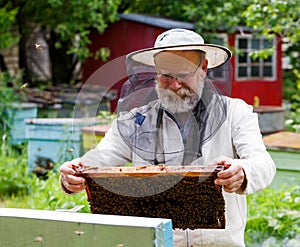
{"x": 142, "y": 120}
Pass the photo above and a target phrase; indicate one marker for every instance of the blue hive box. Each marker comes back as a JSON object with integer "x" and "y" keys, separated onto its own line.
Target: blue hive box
{"x": 19, "y": 113}
{"x": 20, "y": 227}
{"x": 52, "y": 140}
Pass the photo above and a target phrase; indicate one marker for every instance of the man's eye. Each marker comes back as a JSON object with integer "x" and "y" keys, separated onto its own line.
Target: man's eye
{"x": 182, "y": 76}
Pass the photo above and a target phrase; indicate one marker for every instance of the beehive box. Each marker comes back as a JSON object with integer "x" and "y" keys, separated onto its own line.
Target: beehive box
{"x": 186, "y": 195}
{"x": 284, "y": 147}
{"x": 270, "y": 118}
{"x": 54, "y": 139}
{"x": 92, "y": 135}
{"x": 27, "y": 227}
{"x": 19, "y": 113}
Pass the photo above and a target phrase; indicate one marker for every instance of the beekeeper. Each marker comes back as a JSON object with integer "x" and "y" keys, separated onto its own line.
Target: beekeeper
{"x": 175, "y": 109}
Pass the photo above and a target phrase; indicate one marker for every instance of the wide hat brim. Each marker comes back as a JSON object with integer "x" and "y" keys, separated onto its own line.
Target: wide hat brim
{"x": 215, "y": 54}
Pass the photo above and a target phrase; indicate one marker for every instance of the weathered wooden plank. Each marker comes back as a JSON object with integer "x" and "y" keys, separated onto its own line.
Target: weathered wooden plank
{"x": 25, "y": 227}
{"x": 283, "y": 140}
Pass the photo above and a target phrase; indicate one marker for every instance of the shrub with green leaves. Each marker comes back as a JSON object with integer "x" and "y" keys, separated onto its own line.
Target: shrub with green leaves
{"x": 293, "y": 122}
{"x": 274, "y": 218}
{"x": 20, "y": 188}
{"x": 46, "y": 194}
{"x": 14, "y": 176}
{"x": 11, "y": 94}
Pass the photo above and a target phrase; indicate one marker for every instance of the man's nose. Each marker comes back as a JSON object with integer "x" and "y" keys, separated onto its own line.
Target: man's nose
{"x": 175, "y": 84}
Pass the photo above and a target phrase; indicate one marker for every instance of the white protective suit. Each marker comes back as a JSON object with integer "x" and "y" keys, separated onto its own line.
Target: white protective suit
{"x": 238, "y": 138}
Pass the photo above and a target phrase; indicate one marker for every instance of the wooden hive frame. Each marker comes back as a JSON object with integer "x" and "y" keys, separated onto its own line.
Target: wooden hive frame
{"x": 191, "y": 199}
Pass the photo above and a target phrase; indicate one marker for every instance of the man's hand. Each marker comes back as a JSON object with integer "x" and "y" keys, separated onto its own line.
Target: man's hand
{"x": 70, "y": 182}
{"x": 232, "y": 178}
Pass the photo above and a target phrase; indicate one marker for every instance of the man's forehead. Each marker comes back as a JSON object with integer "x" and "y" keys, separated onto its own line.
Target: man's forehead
{"x": 188, "y": 59}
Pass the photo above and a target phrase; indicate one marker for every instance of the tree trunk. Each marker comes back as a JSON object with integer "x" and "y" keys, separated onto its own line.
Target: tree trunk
{"x": 62, "y": 64}
{"x": 3, "y": 66}
{"x": 24, "y": 36}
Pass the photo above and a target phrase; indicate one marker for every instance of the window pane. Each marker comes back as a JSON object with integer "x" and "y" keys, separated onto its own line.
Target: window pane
{"x": 268, "y": 60}
{"x": 267, "y": 71}
{"x": 255, "y": 44}
{"x": 267, "y": 43}
{"x": 242, "y": 71}
{"x": 243, "y": 57}
{"x": 219, "y": 41}
{"x": 254, "y": 59}
{"x": 255, "y": 71}
{"x": 243, "y": 43}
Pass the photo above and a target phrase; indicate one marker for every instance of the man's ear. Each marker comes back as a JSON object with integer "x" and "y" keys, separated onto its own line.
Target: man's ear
{"x": 204, "y": 65}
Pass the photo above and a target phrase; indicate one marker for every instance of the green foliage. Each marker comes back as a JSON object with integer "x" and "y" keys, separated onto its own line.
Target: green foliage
{"x": 291, "y": 87}
{"x": 14, "y": 177}
{"x": 293, "y": 122}
{"x": 21, "y": 189}
{"x": 65, "y": 26}
{"x": 9, "y": 89}
{"x": 274, "y": 218}
{"x": 10, "y": 96}
{"x": 106, "y": 117}
{"x": 7, "y": 37}
{"x": 71, "y": 20}
{"x": 210, "y": 16}
{"x": 282, "y": 18}
{"x": 207, "y": 15}
{"x": 47, "y": 195}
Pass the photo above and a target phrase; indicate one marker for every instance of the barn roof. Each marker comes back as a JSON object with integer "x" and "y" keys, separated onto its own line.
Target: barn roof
{"x": 157, "y": 21}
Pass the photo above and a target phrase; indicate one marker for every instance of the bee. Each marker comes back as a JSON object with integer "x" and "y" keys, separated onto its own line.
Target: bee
{"x": 23, "y": 86}
{"x": 38, "y": 46}
{"x": 79, "y": 232}
{"x": 140, "y": 168}
{"x": 162, "y": 167}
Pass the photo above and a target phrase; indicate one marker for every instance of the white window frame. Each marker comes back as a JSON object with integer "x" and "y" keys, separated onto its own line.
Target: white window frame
{"x": 224, "y": 37}
{"x": 259, "y": 62}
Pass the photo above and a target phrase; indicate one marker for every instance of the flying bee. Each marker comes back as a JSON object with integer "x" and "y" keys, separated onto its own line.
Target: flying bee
{"x": 38, "y": 46}
{"x": 23, "y": 86}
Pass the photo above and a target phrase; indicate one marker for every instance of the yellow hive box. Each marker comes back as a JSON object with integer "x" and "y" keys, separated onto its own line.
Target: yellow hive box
{"x": 92, "y": 135}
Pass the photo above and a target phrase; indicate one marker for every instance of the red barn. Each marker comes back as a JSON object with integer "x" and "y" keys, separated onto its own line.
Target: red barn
{"x": 255, "y": 81}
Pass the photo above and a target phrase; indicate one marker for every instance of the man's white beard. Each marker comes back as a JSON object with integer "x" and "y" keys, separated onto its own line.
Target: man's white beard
{"x": 183, "y": 100}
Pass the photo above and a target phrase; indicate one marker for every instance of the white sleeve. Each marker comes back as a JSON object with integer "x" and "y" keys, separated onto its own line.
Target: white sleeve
{"x": 110, "y": 151}
{"x": 249, "y": 146}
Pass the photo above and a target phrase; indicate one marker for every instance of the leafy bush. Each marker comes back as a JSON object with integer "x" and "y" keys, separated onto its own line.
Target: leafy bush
{"x": 293, "y": 121}
{"x": 274, "y": 218}
{"x": 11, "y": 93}
{"x": 20, "y": 188}
{"x": 47, "y": 195}
{"x": 291, "y": 88}
{"x": 14, "y": 177}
